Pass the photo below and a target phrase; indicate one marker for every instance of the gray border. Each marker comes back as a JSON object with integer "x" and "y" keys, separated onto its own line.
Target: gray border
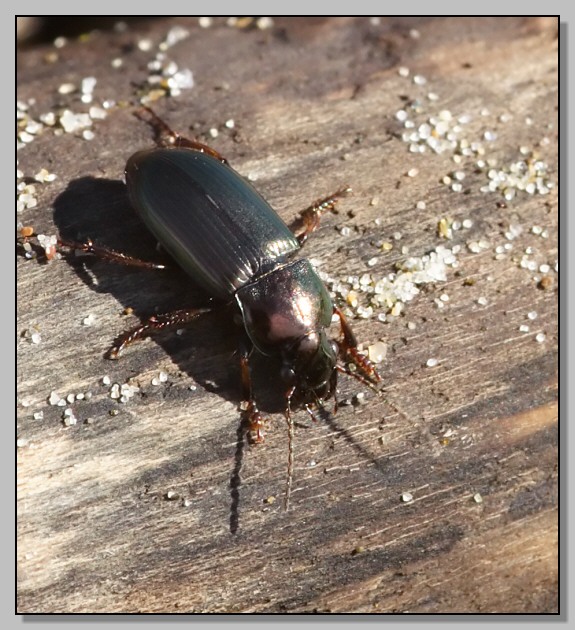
{"x": 566, "y": 360}
{"x": 7, "y": 592}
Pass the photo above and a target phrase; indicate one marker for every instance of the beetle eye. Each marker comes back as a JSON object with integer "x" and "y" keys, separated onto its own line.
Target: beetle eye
{"x": 287, "y": 374}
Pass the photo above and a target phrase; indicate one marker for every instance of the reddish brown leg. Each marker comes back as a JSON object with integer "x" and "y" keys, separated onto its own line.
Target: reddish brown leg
{"x": 349, "y": 349}
{"x": 344, "y": 369}
{"x": 310, "y": 217}
{"x": 51, "y": 246}
{"x": 167, "y": 137}
{"x": 155, "y": 323}
{"x": 255, "y": 421}
{"x": 108, "y": 254}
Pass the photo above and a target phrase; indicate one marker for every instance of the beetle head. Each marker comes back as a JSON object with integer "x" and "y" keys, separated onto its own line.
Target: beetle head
{"x": 310, "y": 366}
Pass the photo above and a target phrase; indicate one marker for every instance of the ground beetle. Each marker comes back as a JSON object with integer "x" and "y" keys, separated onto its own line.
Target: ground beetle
{"x": 221, "y": 232}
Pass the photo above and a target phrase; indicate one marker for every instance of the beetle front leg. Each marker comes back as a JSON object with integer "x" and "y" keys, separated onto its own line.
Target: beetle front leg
{"x": 310, "y": 217}
{"x": 155, "y": 323}
{"x": 349, "y": 349}
{"x": 255, "y": 421}
{"x": 167, "y": 137}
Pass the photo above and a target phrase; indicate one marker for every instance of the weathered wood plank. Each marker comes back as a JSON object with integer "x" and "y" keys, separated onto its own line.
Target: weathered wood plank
{"x": 314, "y": 104}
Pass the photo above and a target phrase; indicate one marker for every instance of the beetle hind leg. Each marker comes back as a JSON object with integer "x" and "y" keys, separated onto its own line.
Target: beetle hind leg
{"x": 47, "y": 248}
{"x": 105, "y": 253}
{"x": 167, "y": 137}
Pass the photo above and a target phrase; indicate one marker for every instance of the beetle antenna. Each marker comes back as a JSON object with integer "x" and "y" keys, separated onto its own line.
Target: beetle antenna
{"x": 290, "y": 427}
{"x": 290, "y": 462}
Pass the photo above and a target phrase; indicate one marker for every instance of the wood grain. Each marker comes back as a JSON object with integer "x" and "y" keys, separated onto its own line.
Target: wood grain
{"x": 314, "y": 104}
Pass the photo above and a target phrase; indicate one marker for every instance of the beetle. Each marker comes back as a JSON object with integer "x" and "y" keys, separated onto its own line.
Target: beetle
{"x": 221, "y": 232}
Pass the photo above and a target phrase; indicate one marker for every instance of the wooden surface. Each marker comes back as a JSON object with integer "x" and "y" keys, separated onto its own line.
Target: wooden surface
{"x": 314, "y": 104}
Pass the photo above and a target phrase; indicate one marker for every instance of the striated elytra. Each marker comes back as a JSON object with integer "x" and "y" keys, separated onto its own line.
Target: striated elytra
{"x": 218, "y": 228}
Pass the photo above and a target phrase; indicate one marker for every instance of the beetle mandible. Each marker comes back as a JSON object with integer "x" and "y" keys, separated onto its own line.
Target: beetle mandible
{"x": 220, "y": 230}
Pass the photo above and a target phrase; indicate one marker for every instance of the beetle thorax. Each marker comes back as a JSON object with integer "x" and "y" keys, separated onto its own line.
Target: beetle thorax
{"x": 284, "y": 307}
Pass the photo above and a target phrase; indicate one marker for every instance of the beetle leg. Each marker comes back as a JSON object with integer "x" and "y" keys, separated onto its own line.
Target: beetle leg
{"x": 310, "y": 217}
{"x": 155, "y": 323}
{"x": 255, "y": 421}
{"x": 48, "y": 249}
{"x": 349, "y": 347}
{"x": 188, "y": 143}
{"x": 108, "y": 254}
{"x": 344, "y": 369}
{"x": 167, "y": 137}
